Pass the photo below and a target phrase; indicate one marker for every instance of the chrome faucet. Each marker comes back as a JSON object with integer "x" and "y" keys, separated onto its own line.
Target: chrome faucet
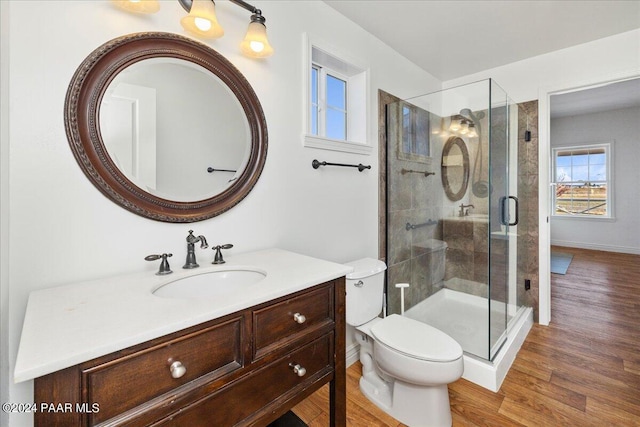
{"x": 462, "y": 211}
{"x": 191, "y": 253}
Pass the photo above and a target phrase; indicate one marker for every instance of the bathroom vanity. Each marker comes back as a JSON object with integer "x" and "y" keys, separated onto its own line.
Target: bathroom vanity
{"x": 241, "y": 366}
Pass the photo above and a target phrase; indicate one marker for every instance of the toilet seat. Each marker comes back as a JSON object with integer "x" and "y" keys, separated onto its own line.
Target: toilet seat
{"x": 416, "y": 339}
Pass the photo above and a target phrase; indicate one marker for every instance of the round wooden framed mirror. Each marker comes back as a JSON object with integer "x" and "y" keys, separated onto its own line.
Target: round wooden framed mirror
{"x": 166, "y": 127}
{"x": 455, "y": 168}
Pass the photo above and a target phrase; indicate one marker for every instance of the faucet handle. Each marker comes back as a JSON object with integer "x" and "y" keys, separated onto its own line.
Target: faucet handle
{"x": 217, "y": 259}
{"x": 164, "y": 265}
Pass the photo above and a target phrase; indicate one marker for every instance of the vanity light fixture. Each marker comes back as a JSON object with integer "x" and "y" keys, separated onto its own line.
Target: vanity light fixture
{"x": 455, "y": 125}
{"x": 464, "y": 127}
{"x": 138, "y": 6}
{"x": 201, "y": 21}
{"x": 472, "y": 130}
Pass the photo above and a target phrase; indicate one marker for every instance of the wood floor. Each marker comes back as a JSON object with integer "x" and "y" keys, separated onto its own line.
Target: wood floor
{"x": 582, "y": 370}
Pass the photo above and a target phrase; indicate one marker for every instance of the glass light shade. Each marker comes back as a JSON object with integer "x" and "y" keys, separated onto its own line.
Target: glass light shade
{"x": 138, "y": 6}
{"x": 472, "y": 131}
{"x": 202, "y": 21}
{"x": 454, "y": 126}
{"x": 255, "y": 43}
{"x": 464, "y": 128}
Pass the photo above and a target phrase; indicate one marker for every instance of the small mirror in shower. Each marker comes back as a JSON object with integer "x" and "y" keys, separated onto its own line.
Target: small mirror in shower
{"x": 455, "y": 168}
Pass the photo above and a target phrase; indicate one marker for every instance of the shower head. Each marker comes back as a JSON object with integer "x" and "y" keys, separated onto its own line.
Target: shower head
{"x": 468, "y": 114}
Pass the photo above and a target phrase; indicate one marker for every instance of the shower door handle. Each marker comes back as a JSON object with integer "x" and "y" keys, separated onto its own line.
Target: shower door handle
{"x": 504, "y": 211}
{"x": 517, "y": 210}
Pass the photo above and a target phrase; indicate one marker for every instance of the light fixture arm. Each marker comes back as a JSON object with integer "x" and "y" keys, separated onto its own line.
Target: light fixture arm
{"x": 186, "y": 5}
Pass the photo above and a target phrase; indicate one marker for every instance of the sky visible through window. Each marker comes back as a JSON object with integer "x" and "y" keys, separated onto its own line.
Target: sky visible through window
{"x": 334, "y": 113}
{"x": 581, "y": 168}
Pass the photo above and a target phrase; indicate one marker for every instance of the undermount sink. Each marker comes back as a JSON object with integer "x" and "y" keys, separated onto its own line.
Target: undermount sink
{"x": 211, "y": 284}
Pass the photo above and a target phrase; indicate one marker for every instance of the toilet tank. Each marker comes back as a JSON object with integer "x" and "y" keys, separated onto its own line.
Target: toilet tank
{"x": 365, "y": 288}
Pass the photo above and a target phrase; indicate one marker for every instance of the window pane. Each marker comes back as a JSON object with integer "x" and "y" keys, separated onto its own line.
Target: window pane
{"x": 564, "y": 197}
{"x": 580, "y": 173}
{"x": 314, "y": 120}
{"x": 336, "y": 93}
{"x": 580, "y": 160}
{"x": 314, "y": 102}
{"x": 336, "y": 124}
{"x": 421, "y": 144}
{"x": 597, "y": 172}
{"x": 563, "y": 161}
{"x": 314, "y": 85}
{"x": 598, "y": 159}
{"x": 406, "y": 130}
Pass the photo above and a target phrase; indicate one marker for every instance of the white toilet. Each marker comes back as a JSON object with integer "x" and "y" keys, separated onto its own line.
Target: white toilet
{"x": 406, "y": 364}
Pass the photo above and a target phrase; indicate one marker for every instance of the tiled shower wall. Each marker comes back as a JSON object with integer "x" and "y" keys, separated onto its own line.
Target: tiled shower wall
{"x": 415, "y": 198}
{"x": 528, "y": 230}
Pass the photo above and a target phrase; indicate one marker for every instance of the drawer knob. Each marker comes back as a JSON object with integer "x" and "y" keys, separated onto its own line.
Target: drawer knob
{"x": 297, "y": 369}
{"x": 177, "y": 369}
{"x": 299, "y": 318}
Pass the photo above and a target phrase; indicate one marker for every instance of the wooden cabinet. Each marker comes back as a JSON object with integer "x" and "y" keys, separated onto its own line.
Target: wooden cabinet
{"x": 246, "y": 368}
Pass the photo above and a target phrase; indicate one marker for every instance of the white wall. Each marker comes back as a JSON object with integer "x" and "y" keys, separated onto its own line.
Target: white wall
{"x": 623, "y": 127}
{"x": 603, "y": 60}
{"x": 61, "y": 229}
{"x": 594, "y": 61}
{"x": 4, "y": 209}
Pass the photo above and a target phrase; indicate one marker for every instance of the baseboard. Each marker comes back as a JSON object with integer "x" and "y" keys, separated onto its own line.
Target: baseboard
{"x": 353, "y": 354}
{"x": 596, "y": 247}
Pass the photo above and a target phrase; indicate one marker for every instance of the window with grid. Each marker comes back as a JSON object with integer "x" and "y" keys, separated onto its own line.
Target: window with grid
{"x": 582, "y": 178}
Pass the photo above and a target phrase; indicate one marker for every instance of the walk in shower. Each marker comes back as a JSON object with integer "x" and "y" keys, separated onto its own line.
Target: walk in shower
{"x": 452, "y": 221}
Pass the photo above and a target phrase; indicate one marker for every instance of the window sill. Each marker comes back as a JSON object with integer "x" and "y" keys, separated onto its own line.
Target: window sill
{"x": 583, "y": 217}
{"x": 313, "y": 141}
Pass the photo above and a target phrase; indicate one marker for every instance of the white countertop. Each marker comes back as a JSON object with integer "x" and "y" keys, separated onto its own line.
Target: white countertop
{"x": 71, "y": 324}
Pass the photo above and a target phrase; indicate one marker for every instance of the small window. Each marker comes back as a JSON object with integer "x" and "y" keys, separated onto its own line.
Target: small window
{"x": 583, "y": 184}
{"x": 336, "y": 102}
{"x": 328, "y": 104}
{"x": 415, "y": 131}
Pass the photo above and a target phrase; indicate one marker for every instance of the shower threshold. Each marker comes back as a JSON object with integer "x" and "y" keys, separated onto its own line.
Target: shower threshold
{"x": 464, "y": 318}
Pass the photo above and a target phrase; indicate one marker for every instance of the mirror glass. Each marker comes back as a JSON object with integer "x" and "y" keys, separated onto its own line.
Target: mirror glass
{"x": 174, "y": 129}
{"x": 455, "y": 168}
{"x": 165, "y": 127}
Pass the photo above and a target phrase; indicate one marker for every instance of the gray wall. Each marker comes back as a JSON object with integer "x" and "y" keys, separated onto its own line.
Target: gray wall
{"x": 622, "y": 234}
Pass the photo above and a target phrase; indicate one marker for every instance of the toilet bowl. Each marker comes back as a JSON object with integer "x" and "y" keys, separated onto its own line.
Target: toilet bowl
{"x": 406, "y": 364}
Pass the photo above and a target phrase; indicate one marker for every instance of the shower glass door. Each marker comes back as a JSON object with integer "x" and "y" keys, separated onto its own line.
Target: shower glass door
{"x": 447, "y": 191}
{"x": 501, "y": 215}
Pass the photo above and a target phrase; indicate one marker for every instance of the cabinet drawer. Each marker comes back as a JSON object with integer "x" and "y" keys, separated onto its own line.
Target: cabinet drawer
{"x": 125, "y": 383}
{"x": 261, "y": 393}
{"x": 291, "y": 318}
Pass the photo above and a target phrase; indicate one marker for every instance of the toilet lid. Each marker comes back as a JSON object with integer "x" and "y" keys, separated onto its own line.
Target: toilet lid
{"x": 416, "y": 339}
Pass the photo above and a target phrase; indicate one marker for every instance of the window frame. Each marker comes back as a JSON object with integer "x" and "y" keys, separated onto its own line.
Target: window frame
{"x": 608, "y": 151}
{"x": 356, "y": 77}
